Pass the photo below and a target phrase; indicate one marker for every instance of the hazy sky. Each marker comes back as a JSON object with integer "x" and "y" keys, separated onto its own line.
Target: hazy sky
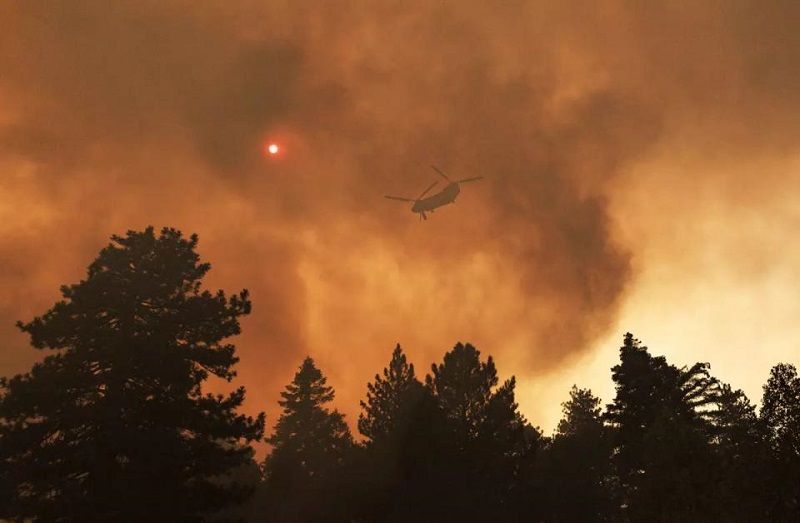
{"x": 641, "y": 163}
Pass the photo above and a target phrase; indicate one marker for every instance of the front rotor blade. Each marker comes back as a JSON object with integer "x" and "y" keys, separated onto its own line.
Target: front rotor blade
{"x": 470, "y": 179}
{"x": 399, "y": 198}
{"x": 441, "y": 173}
{"x": 426, "y": 190}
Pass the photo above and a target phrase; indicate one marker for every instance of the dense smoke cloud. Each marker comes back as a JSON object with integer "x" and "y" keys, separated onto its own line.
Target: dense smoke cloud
{"x": 116, "y": 116}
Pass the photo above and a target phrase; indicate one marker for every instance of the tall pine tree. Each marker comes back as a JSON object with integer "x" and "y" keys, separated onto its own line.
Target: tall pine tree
{"x": 487, "y": 434}
{"x": 574, "y": 472}
{"x": 390, "y": 400}
{"x": 661, "y": 415}
{"x": 114, "y": 425}
{"x": 310, "y": 446}
{"x": 741, "y": 455}
{"x": 780, "y": 412}
{"x": 400, "y": 446}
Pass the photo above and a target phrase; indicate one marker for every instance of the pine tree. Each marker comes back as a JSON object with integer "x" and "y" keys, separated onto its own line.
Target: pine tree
{"x": 462, "y": 385}
{"x": 487, "y": 434}
{"x": 390, "y": 400}
{"x": 661, "y": 415}
{"x": 397, "y": 450}
{"x": 741, "y": 455}
{"x": 780, "y": 412}
{"x": 648, "y": 387}
{"x": 114, "y": 425}
{"x": 310, "y": 444}
{"x": 581, "y": 414}
{"x": 573, "y": 470}
{"x": 643, "y": 382}
{"x": 780, "y": 408}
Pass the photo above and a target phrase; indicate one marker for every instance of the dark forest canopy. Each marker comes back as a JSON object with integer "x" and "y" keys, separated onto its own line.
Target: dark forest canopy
{"x": 113, "y": 425}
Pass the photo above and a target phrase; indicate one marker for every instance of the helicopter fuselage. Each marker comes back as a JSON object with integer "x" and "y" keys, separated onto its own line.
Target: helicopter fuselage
{"x": 434, "y": 201}
{"x": 423, "y": 205}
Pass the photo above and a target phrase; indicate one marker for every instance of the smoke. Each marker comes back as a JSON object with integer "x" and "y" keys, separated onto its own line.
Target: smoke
{"x": 116, "y": 116}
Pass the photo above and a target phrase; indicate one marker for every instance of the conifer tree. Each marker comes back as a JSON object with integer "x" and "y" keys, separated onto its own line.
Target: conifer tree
{"x": 662, "y": 419}
{"x": 780, "y": 408}
{"x": 643, "y": 382}
{"x": 114, "y": 425}
{"x": 780, "y": 412}
{"x": 390, "y": 400}
{"x": 574, "y": 469}
{"x": 308, "y": 438}
{"x": 310, "y": 445}
{"x": 648, "y": 387}
{"x": 462, "y": 385}
{"x": 398, "y": 450}
{"x": 741, "y": 455}
{"x": 581, "y": 414}
{"x": 486, "y": 432}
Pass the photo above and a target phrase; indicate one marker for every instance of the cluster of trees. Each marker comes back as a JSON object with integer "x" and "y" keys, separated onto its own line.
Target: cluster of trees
{"x": 114, "y": 425}
{"x": 674, "y": 445}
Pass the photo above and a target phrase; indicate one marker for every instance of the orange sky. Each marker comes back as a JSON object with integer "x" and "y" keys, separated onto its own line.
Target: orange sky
{"x": 641, "y": 168}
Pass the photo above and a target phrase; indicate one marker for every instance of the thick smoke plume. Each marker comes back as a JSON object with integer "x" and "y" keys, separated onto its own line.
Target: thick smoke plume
{"x": 118, "y": 115}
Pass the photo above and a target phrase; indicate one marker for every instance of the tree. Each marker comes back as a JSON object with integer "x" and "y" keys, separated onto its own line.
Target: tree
{"x": 643, "y": 383}
{"x": 661, "y": 415}
{"x": 574, "y": 469}
{"x": 780, "y": 408}
{"x": 310, "y": 444}
{"x": 487, "y": 435}
{"x": 780, "y": 412}
{"x": 114, "y": 425}
{"x": 741, "y": 456}
{"x": 389, "y": 466}
{"x": 390, "y": 401}
{"x": 462, "y": 386}
{"x": 581, "y": 415}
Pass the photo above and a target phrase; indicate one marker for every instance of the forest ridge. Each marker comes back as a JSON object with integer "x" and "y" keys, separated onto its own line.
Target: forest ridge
{"x": 113, "y": 425}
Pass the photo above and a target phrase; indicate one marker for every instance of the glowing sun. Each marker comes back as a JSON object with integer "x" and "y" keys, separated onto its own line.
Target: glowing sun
{"x": 273, "y": 148}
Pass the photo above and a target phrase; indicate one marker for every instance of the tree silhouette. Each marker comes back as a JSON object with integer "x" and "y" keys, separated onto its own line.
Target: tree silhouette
{"x": 390, "y": 400}
{"x": 741, "y": 458}
{"x": 574, "y": 470}
{"x": 581, "y": 415}
{"x": 662, "y": 418}
{"x": 486, "y": 433}
{"x": 462, "y": 384}
{"x": 310, "y": 443}
{"x": 780, "y": 412}
{"x": 780, "y": 408}
{"x": 114, "y": 425}
{"x": 642, "y": 384}
{"x": 396, "y": 451}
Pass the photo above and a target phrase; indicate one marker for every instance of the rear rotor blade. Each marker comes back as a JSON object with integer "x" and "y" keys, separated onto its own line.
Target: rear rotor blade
{"x": 421, "y": 196}
{"x": 399, "y": 198}
{"x": 470, "y": 179}
{"x": 443, "y": 175}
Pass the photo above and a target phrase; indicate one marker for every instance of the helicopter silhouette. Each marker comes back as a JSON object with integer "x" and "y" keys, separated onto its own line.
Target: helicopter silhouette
{"x": 434, "y": 201}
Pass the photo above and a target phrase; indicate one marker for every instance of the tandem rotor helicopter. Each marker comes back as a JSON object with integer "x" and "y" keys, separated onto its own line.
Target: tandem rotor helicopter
{"x": 434, "y": 201}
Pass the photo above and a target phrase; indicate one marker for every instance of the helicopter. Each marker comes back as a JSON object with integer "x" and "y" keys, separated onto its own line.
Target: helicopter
{"x": 434, "y": 201}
